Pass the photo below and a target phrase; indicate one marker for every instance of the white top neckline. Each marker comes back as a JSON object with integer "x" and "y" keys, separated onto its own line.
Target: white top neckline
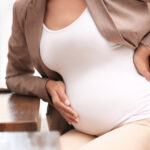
{"x": 67, "y": 27}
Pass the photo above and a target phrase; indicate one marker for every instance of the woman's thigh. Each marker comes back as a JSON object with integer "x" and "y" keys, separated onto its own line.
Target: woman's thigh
{"x": 74, "y": 139}
{"x": 130, "y": 136}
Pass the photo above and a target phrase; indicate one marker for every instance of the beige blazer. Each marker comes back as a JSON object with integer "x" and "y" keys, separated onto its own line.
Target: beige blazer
{"x": 125, "y": 22}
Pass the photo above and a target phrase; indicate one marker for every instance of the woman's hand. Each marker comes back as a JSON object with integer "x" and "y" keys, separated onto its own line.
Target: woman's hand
{"x": 60, "y": 100}
{"x": 141, "y": 61}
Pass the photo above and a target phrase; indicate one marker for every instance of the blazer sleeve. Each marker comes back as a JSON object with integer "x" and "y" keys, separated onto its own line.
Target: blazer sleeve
{"x": 20, "y": 70}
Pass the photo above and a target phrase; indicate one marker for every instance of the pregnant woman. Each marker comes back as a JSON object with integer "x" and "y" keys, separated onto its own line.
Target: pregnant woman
{"x": 94, "y": 77}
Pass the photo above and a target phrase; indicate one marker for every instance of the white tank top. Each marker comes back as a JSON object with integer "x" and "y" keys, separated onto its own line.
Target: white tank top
{"x": 101, "y": 81}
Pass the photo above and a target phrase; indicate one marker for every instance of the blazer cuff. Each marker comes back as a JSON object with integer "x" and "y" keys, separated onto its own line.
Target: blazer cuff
{"x": 146, "y": 41}
{"x": 27, "y": 84}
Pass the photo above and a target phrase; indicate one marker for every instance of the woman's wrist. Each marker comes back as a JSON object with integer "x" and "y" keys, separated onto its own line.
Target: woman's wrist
{"x": 48, "y": 89}
{"x": 48, "y": 84}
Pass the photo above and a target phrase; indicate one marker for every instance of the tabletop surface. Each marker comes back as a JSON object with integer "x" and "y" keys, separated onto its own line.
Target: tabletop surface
{"x": 19, "y": 112}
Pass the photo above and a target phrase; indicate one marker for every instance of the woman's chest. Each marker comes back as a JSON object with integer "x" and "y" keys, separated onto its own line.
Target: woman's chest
{"x": 61, "y": 14}
{"x": 79, "y": 45}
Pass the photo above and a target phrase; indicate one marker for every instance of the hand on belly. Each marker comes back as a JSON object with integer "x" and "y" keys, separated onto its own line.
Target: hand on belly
{"x": 101, "y": 100}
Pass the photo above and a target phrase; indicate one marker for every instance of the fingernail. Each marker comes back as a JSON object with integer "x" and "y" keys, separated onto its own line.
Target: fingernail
{"x": 67, "y": 102}
{"x": 75, "y": 122}
{"x": 77, "y": 119}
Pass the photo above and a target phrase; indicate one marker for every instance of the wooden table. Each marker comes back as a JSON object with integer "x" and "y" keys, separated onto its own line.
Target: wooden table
{"x": 19, "y": 113}
{"x": 29, "y": 141}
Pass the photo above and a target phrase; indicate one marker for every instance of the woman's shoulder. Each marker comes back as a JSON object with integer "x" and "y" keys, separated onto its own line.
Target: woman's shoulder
{"x": 21, "y": 5}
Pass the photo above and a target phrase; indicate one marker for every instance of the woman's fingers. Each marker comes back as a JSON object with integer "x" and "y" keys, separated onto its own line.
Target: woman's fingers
{"x": 67, "y": 109}
{"x": 63, "y": 97}
{"x": 144, "y": 68}
{"x": 70, "y": 119}
{"x": 141, "y": 61}
{"x": 61, "y": 90}
{"x": 58, "y": 92}
{"x": 62, "y": 107}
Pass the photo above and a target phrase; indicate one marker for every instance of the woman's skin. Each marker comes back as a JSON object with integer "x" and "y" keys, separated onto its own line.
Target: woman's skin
{"x": 141, "y": 60}
{"x": 59, "y": 14}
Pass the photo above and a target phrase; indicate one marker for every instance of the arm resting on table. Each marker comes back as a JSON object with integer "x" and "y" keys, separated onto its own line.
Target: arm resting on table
{"x": 20, "y": 70}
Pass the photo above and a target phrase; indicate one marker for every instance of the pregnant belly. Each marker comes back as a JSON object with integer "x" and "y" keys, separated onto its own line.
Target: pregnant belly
{"x": 104, "y": 97}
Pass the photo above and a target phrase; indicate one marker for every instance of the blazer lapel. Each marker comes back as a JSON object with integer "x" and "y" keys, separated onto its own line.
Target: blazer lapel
{"x": 104, "y": 22}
